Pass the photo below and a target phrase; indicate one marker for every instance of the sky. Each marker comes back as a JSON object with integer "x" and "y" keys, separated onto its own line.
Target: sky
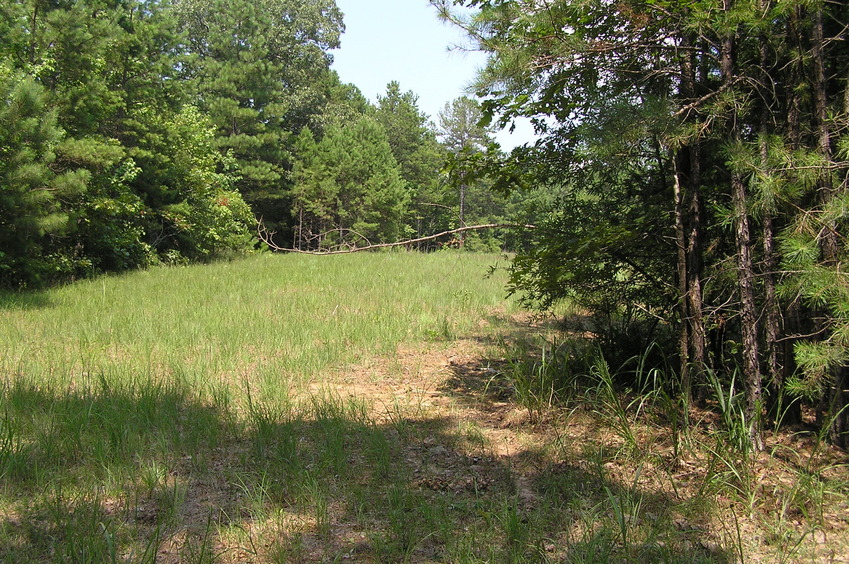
{"x": 403, "y": 40}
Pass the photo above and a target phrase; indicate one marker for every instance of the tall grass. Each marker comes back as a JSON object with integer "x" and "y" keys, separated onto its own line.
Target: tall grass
{"x": 125, "y": 399}
{"x": 269, "y": 317}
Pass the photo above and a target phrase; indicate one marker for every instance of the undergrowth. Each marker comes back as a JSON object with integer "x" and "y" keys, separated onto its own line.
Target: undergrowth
{"x": 781, "y": 503}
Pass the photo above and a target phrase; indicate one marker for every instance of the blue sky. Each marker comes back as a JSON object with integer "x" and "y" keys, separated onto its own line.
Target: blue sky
{"x": 403, "y": 40}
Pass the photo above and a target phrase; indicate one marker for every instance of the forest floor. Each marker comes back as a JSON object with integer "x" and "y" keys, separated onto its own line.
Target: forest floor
{"x": 474, "y": 476}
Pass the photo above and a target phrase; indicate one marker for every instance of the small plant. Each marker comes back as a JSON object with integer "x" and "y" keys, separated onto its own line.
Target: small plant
{"x": 731, "y": 405}
{"x": 540, "y": 383}
{"x": 626, "y": 507}
{"x": 199, "y": 549}
{"x": 729, "y": 464}
{"x": 313, "y": 494}
{"x": 609, "y": 404}
{"x": 10, "y": 445}
{"x": 517, "y": 530}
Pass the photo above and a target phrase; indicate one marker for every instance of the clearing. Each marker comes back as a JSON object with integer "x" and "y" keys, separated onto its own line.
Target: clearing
{"x": 365, "y": 409}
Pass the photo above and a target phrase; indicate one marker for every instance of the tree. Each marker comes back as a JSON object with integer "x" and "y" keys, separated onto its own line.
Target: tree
{"x": 109, "y": 75}
{"x": 679, "y": 93}
{"x": 347, "y": 185}
{"x": 462, "y": 132}
{"x": 30, "y": 191}
{"x": 413, "y": 142}
{"x": 258, "y": 68}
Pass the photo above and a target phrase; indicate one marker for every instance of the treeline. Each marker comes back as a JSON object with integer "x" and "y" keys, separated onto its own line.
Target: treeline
{"x": 700, "y": 154}
{"x": 137, "y": 132}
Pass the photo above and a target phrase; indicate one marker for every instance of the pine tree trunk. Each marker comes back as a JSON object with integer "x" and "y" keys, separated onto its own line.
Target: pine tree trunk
{"x": 689, "y": 220}
{"x": 33, "y": 33}
{"x": 773, "y": 327}
{"x": 698, "y": 334}
{"x": 462, "y": 236}
{"x": 748, "y": 317}
{"x": 683, "y": 295}
{"x": 745, "y": 269}
{"x": 838, "y": 406}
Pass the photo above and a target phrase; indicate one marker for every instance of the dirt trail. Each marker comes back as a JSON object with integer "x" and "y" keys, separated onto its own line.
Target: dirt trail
{"x": 459, "y": 381}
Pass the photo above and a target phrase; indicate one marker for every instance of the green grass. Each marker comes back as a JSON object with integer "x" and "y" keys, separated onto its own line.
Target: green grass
{"x": 127, "y": 398}
{"x": 266, "y": 317}
{"x": 202, "y": 414}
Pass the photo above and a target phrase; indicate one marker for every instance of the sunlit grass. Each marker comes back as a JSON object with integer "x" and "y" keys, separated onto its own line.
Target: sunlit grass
{"x": 125, "y": 398}
{"x": 277, "y": 318}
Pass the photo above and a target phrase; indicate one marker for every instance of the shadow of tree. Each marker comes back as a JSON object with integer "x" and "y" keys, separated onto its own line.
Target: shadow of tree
{"x": 150, "y": 472}
{"x": 25, "y": 300}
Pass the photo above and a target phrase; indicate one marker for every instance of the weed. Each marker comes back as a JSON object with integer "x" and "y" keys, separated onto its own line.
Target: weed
{"x": 610, "y": 405}
{"x": 625, "y": 508}
{"x": 731, "y": 405}
{"x": 539, "y": 383}
{"x": 516, "y": 527}
{"x": 314, "y": 495}
{"x": 199, "y": 549}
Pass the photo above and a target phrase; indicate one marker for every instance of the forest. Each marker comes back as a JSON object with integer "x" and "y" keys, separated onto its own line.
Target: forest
{"x": 707, "y": 140}
{"x": 143, "y": 133}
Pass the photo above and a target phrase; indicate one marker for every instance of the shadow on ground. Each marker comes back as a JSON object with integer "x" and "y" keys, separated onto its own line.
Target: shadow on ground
{"x": 25, "y": 300}
{"x": 146, "y": 472}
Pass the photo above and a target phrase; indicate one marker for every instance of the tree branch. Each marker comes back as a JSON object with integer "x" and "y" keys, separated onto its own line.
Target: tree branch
{"x": 265, "y": 237}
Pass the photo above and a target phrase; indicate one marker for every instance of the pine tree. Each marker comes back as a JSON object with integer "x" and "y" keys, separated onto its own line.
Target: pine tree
{"x": 30, "y": 191}
{"x": 464, "y": 136}
{"x": 675, "y": 97}
{"x": 420, "y": 156}
{"x": 348, "y": 187}
{"x": 257, "y": 69}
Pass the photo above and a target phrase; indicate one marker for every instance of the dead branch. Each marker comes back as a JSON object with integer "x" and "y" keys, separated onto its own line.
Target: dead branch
{"x": 265, "y": 237}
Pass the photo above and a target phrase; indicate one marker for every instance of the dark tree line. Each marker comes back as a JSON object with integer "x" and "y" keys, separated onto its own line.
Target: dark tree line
{"x": 699, "y": 153}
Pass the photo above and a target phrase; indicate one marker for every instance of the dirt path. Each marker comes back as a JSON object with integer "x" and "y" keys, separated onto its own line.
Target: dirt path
{"x": 459, "y": 381}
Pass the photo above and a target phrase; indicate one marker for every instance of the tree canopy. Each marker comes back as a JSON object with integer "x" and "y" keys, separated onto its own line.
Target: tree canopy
{"x": 146, "y": 132}
{"x": 697, "y": 148}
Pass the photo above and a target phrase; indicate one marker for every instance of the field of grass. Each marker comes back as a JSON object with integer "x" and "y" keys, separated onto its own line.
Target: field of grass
{"x": 363, "y": 408}
{"x": 123, "y": 395}
{"x": 273, "y": 318}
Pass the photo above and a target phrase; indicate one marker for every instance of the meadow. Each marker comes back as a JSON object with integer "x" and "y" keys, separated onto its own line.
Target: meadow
{"x": 380, "y": 407}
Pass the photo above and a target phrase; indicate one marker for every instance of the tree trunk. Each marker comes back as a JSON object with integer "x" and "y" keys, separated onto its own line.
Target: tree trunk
{"x": 773, "y": 324}
{"x": 462, "y": 236}
{"x": 698, "y": 335}
{"x": 683, "y": 296}
{"x": 838, "y": 406}
{"x": 748, "y": 317}
{"x": 794, "y": 103}
{"x": 745, "y": 269}
{"x": 689, "y": 220}
{"x": 33, "y": 33}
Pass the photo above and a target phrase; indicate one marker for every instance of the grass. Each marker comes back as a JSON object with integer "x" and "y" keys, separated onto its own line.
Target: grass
{"x": 359, "y": 408}
{"x": 729, "y": 501}
{"x": 267, "y": 316}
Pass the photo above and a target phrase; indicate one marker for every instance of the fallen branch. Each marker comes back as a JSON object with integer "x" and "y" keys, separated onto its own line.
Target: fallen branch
{"x": 265, "y": 237}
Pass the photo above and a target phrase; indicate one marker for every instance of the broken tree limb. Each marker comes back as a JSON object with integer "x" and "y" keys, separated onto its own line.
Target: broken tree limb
{"x": 265, "y": 237}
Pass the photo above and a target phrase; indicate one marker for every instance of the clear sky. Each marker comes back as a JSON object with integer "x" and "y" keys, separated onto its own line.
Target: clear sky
{"x": 403, "y": 40}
